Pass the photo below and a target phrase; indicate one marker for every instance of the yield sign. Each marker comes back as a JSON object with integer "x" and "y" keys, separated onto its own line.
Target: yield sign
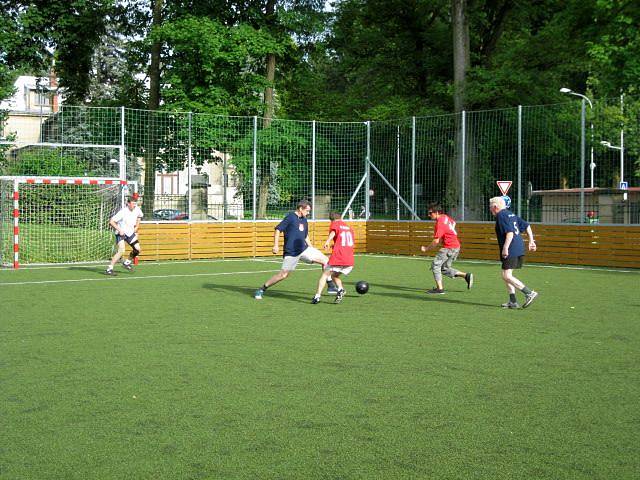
{"x": 504, "y": 186}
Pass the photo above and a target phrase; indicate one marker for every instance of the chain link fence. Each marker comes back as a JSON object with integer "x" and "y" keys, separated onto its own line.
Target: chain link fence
{"x": 574, "y": 162}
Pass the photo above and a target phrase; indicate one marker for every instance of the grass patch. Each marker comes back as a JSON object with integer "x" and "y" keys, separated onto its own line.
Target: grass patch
{"x": 175, "y": 371}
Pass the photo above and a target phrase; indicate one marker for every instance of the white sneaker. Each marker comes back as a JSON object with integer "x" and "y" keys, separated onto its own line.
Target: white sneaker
{"x": 529, "y": 299}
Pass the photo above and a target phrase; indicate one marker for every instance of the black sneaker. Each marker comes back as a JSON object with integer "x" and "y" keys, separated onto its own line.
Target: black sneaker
{"x": 436, "y": 291}
{"x": 511, "y": 305}
{"x": 109, "y": 271}
{"x": 469, "y": 279}
{"x": 315, "y": 300}
{"x": 339, "y": 296}
{"x": 258, "y": 294}
{"x": 529, "y": 299}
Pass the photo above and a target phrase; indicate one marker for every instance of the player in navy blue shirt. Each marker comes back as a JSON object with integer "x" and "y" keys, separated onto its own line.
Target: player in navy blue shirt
{"x": 297, "y": 245}
{"x": 508, "y": 230}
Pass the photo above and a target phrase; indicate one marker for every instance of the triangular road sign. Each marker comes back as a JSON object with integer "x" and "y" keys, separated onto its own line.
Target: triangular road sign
{"x": 504, "y": 186}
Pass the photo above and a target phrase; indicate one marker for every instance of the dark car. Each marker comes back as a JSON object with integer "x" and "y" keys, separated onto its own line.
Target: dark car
{"x": 170, "y": 214}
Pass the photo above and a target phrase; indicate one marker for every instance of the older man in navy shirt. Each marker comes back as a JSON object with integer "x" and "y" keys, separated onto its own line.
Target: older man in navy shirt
{"x": 508, "y": 229}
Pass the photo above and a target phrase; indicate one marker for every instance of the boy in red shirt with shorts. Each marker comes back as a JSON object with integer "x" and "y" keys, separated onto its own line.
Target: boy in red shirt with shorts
{"x": 341, "y": 260}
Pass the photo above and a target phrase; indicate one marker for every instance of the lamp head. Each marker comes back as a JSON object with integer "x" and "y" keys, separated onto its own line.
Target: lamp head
{"x": 565, "y": 90}
{"x": 605, "y": 143}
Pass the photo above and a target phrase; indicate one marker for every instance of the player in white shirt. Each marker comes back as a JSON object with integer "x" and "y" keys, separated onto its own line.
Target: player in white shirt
{"x": 126, "y": 223}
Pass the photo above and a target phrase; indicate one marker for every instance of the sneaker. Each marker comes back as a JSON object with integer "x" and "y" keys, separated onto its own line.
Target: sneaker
{"x": 332, "y": 291}
{"x": 469, "y": 279}
{"x": 127, "y": 265}
{"x": 315, "y": 300}
{"x": 109, "y": 271}
{"x": 339, "y": 296}
{"x": 436, "y": 291}
{"x": 529, "y": 299}
{"x": 258, "y": 294}
{"x": 512, "y": 305}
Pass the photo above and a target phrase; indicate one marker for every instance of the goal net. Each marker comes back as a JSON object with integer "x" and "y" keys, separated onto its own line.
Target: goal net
{"x": 45, "y": 220}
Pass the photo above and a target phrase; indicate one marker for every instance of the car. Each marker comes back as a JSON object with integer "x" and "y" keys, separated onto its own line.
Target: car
{"x": 170, "y": 214}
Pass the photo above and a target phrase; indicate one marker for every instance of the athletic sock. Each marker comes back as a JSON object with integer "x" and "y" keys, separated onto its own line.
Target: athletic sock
{"x": 264, "y": 287}
{"x": 512, "y": 298}
{"x": 525, "y": 290}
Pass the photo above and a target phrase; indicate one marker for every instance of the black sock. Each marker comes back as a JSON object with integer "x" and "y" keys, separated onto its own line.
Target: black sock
{"x": 525, "y": 290}
{"x": 264, "y": 287}
{"x": 512, "y": 298}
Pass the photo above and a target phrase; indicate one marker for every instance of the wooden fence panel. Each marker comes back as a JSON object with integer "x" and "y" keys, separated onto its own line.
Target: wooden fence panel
{"x": 557, "y": 244}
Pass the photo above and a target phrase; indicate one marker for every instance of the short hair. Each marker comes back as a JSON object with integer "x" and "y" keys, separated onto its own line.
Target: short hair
{"x": 334, "y": 216}
{"x": 498, "y": 202}
{"x": 132, "y": 198}
{"x": 435, "y": 207}
{"x": 302, "y": 204}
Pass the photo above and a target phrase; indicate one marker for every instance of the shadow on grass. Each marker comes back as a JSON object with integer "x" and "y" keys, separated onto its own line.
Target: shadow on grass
{"x": 100, "y": 269}
{"x": 462, "y": 288}
{"x": 421, "y": 295}
{"x": 273, "y": 292}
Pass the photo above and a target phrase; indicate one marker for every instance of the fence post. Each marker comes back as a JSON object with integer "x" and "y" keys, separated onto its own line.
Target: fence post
{"x": 398, "y": 174}
{"x": 519, "y": 212}
{"x": 583, "y": 155}
{"x": 123, "y": 161}
{"x": 313, "y": 170}
{"x": 413, "y": 164}
{"x": 367, "y": 170}
{"x": 189, "y": 171}
{"x": 463, "y": 153}
{"x": 255, "y": 162}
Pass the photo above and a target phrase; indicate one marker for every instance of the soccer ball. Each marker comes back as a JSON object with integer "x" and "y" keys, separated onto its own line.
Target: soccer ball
{"x": 362, "y": 287}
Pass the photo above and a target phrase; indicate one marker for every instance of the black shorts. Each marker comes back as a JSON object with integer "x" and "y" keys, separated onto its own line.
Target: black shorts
{"x": 512, "y": 263}
{"x": 130, "y": 239}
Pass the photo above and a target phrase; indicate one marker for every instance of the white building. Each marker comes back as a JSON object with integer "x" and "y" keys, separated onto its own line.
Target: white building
{"x": 214, "y": 190}
{"x": 34, "y": 99}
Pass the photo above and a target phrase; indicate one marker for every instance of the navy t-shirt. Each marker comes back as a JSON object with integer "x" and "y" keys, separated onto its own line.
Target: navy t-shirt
{"x": 507, "y": 221}
{"x": 295, "y": 231}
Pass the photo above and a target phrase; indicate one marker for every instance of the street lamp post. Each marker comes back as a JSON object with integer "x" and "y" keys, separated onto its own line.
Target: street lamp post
{"x": 621, "y": 149}
{"x": 592, "y": 165}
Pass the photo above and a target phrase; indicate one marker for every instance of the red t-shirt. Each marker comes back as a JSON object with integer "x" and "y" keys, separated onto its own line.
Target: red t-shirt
{"x": 446, "y": 231}
{"x": 343, "y": 243}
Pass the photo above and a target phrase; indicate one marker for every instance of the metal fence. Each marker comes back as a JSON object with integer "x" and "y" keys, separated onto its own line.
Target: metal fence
{"x": 567, "y": 162}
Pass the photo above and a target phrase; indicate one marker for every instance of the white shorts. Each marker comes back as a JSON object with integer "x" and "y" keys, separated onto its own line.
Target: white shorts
{"x": 310, "y": 255}
{"x": 345, "y": 270}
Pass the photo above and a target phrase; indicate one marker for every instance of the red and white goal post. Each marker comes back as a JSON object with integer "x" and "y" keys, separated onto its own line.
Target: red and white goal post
{"x": 48, "y": 220}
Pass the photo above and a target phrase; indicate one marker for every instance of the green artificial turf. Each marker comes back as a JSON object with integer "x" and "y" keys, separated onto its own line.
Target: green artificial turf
{"x": 174, "y": 371}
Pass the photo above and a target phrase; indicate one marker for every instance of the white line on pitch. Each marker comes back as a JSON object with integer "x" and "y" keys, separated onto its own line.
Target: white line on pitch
{"x": 116, "y": 279}
{"x": 146, "y": 263}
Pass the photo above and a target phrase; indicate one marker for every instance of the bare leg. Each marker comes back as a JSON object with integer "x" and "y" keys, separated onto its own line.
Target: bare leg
{"x": 118, "y": 254}
{"x": 511, "y": 281}
{"x": 278, "y": 277}
{"x": 337, "y": 280}
{"x": 322, "y": 282}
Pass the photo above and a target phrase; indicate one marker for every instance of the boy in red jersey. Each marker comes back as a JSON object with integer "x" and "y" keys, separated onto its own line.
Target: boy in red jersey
{"x": 341, "y": 260}
{"x": 445, "y": 233}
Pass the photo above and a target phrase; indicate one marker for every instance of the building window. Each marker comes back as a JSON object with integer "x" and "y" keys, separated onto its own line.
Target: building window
{"x": 41, "y": 98}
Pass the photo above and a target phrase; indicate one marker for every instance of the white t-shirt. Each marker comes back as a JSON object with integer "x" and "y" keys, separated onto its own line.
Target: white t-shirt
{"x": 127, "y": 219}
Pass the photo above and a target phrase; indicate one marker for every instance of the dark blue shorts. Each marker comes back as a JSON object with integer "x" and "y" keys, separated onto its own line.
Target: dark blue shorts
{"x": 130, "y": 239}
{"x": 512, "y": 263}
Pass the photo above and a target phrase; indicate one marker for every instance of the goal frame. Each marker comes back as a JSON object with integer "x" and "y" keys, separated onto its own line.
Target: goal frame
{"x": 54, "y": 180}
